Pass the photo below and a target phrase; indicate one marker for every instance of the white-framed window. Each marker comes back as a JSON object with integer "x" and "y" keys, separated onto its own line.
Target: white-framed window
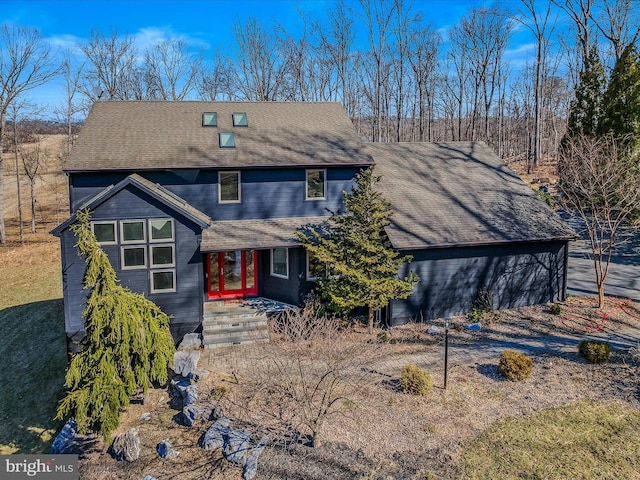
{"x": 132, "y": 231}
{"x": 227, "y": 140}
{"x": 105, "y": 232}
{"x": 133, "y": 257}
{"x": 229, "y": 187}
{"x": 161, "y": 230}
{"x": 280, "y": 262}
{"x": 162, "y": 256}
{"x": 315, "y": 268}
{"x": 163, "y": 281}
{"x": 315, "y": 185}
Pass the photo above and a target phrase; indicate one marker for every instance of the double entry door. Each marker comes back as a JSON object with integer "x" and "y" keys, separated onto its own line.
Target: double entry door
{"x": 232, "y": 274}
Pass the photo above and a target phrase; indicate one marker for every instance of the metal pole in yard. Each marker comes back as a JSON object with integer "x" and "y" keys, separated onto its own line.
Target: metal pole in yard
{"x": 446, "y": 349}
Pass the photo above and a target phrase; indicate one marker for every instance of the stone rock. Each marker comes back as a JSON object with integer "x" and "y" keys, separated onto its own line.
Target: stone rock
{"x": 190, "y": 395}
{"x": 185, "y": 361}
{"x": 251, "y": 466}
{"x": 191, "y": 341}
{"x": 237, "y": 446}
{"x": 474, "y": 327}
{"x": 146, "y": 416}
{"x": 198, "y": 374}
{"x": 149, "y": 477}
{"x": 69, "y": 442}
{"x": 433, "y": 330}
{"x": 197, "y": 413}
{"x": 126, "y": 446}
{"x": 165, "y": 451}
{"x": 216, "y": 435}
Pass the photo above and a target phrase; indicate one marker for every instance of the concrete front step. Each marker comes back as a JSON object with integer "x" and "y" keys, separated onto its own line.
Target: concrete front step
{"x": 234, "y": 324}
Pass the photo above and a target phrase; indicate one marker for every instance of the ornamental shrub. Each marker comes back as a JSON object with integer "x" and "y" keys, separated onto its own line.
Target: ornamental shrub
{"x": 514, "y": 365}
{"x": 556, "y": 309}
{"x": 594, "y": 351}
{"x": 415, "y": 380}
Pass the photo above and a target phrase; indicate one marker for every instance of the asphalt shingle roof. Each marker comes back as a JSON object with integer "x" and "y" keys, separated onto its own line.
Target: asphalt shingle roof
{"x": 255, "y": 234}
{"x": 459, "y": 193}
{"x": 142, "y": 135}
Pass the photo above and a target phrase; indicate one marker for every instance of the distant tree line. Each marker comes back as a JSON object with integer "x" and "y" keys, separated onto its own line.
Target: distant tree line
{"x": 398, "y": 77}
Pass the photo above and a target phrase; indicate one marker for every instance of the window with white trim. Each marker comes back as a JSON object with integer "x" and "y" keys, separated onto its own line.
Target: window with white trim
{"x": 105, "y": 232}
{"x": 132, "y": 231}
{"x": 229, "y": 186}
{"x": 163, "y": 281}
{"x": 315, "y": 185}
{"x": 161, "y": 230}
{"x": 280, "y": 262}
{"x": 133, "y": 257}
{"x": 162, "y": 256}
{"x": 315, "y": 268}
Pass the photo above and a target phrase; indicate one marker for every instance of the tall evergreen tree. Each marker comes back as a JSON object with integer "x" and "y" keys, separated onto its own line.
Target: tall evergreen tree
{"x": 586, "y": 110}
{"x": 622, "y": 98}
{"x": 128, "y": 343}
{"x": 362, "y": 265}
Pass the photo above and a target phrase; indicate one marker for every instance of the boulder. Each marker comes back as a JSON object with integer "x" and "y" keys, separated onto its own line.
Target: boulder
{"x": 190, "y": 395}
{"x": 69, "y": 442}
{"x": 237, "y": 445}
{"x": 146, "y": 416}
{"x": 201, "y": 412}
{"x": 216, "y": 435}
{"x": 474, "y": 327}
{"x": 433, "y": 330}
{"x": 251, "y": 466}
{"x": 185, "y": 361}
{"x": 126, "y": 446}
{"x": 191, "y": 341}
{"x": 149, "y": 477}
{"x": 198, "y": 374}
{"x": 164, "y": 449}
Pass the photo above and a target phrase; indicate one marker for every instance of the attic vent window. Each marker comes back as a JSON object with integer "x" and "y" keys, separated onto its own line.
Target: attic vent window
{"x": 240, "y": 119}
{"x": 227, "y": 140}
{"x": 210, "y": 119}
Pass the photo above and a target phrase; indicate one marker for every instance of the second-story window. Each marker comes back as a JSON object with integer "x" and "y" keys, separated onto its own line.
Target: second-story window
{"x": 229, "y": 187}
{"x": 316, "y": 184}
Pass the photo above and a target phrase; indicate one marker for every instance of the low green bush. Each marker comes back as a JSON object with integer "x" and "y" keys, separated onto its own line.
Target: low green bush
{"x": 594, "y": 351}
{"x": 556, "y": 309}
{"x": 415, "y": 380}
{"x": 514, "y": 365}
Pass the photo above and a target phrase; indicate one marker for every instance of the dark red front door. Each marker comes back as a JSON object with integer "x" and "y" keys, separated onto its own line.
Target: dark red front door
{"x": 232, "y": 274}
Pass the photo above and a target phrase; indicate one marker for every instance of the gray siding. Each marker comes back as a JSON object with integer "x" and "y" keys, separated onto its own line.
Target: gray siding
{"x": 450, "y": 279}
{"x": 185, "y": 305}
{"x": 265, "y": 193}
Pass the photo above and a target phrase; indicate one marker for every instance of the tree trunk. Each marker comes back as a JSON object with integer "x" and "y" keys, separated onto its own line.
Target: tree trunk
{"x": 32, "y": 184}
{"x": 3, "y": 233}
{"x": 370, "y": 321}
{"x": 15, "y": 147}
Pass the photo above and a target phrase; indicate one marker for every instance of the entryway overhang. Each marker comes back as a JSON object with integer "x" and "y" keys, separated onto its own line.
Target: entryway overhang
{"x": 256, "y": 234}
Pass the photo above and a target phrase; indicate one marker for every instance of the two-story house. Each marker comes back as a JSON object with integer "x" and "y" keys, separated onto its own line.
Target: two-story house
{"x": 197, "y": 202}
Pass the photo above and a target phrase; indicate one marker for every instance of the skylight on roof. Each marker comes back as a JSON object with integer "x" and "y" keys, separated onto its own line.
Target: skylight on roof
{"x": 210, "y": 119}
{"x": 240, "y": 119}
{"x": 227, "y": 140}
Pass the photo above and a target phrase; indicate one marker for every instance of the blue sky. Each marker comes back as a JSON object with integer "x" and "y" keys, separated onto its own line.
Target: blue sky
{"x": 201, "y": 23}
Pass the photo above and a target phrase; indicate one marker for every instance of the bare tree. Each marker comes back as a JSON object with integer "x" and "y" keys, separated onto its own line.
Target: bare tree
{"x": 112, "y": 67}
{"x": 580, "y": 12}
{"x": 25, "y": 63}
{"x": 600, "y": 180}
{"x": 34, "y": 159}
{"x": 171, "y": 72}
{"x": 217, "y": 82}
{"x": 619, "y": 22}
{"x": 259, "y": 68}
{"x": 72, "y": 75}
{"x": 538, "y": 24}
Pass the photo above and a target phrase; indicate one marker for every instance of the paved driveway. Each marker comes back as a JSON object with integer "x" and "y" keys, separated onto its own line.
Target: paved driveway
{"x": 623, "y": 279}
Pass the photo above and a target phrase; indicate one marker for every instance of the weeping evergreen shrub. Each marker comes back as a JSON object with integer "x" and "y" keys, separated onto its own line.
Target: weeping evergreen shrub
{"x": 128, "y": 344}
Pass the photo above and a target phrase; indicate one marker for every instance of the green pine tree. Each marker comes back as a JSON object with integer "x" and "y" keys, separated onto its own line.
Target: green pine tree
{"x": 363, "y": 267}
{"x": 586, "y": 110}
{"x": 622, "y": 97}
{"x": 128, "y": 344}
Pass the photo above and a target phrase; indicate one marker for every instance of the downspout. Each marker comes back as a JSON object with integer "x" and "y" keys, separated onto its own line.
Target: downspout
{"x": 566, "y": 270}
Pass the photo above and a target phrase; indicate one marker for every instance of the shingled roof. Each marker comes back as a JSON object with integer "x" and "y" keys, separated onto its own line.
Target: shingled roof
{"x": 457, "y": 194}
{"x": 144, "y": 135}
